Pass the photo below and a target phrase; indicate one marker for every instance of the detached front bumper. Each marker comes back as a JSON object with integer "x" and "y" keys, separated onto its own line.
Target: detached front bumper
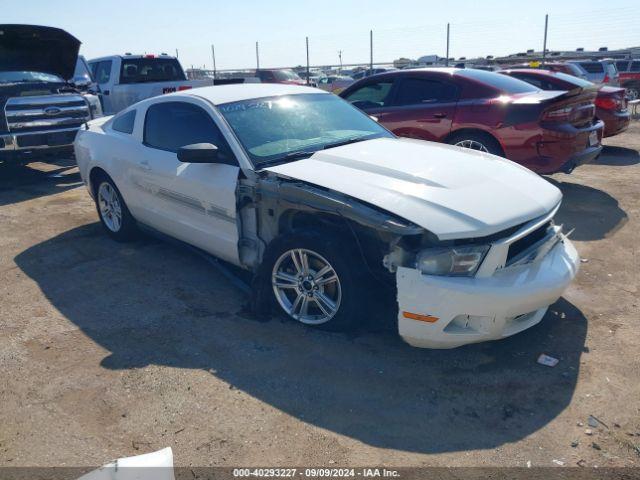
{"x": 455, "y": 311}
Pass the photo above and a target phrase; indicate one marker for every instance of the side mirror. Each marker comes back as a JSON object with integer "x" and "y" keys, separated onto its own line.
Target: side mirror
{"x": 198, "y": 153}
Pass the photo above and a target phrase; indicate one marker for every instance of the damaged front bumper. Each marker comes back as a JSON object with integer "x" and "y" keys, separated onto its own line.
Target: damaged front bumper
{"x": 447, "y": 312}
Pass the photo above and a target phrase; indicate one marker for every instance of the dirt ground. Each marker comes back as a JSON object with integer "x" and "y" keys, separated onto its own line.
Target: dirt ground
{"x": 110, "y": 350}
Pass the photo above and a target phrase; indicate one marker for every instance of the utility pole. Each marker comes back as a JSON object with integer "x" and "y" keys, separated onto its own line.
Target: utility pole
{"x": 446, "y": 62}
{"x": 371, "y": 52}
{"x": 307, "y": 41}
{"x": 213, "y": 57}
{"x": 257, "y": 57}
{"x": 544, "y": 46}
{"x": 340, "y": 57}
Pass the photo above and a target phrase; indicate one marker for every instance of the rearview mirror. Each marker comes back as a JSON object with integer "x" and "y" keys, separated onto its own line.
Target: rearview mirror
{"x": 198, "y": 153}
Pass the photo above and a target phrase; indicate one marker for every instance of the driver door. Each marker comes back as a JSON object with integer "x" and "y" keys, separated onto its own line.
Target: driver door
{"x": 193, "y": 202}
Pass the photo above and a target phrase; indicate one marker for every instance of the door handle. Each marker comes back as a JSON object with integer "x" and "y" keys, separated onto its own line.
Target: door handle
{"x": 105, "y": 92}
{"x": 440, "y": 115}
{"x": 144, "y": 165}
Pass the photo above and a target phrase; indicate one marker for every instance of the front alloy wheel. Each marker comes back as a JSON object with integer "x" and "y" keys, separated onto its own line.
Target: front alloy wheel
{"x": 306, "y": 286}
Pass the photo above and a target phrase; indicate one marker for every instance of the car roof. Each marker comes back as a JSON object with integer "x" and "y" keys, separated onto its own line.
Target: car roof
{"x": 532, "y": 71}
{"x": 220, "y": 94}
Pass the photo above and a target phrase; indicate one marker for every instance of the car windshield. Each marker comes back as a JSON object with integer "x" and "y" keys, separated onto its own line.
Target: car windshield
{"x": 285, "y": 128}
{"x": 573, "y": 79}
{"x": 141, "y": 70}
{"x": 282, "y": 75}
{"x": 23, "y": 77}
{"x": 502, "y": 83}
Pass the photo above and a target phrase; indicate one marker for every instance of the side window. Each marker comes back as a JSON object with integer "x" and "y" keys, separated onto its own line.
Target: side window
{"x": 124, "y": 123}
{"x": 103, "y": 71}
{"x": 635, "y": 67}
{"x": 622, "y": 65}
{"x": 373, "y": 95}
{"x": 94, "y": 68}
{"x": 419, "y": 91}
{"x": 171, "y": 125}
{"x": 266, "y": 76}
{"x": 592, "y": 67}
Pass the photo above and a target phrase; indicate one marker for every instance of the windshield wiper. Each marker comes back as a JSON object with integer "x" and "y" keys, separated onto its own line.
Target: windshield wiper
{"x": 347, "y": 141}
{"x": 297, "y": 155}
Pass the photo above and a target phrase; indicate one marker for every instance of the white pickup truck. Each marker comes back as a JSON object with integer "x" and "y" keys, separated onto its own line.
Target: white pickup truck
{"x": 126, "y": 79}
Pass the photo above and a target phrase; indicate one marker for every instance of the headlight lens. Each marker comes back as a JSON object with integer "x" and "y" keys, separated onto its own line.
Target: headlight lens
{"x": 454, "y": 261}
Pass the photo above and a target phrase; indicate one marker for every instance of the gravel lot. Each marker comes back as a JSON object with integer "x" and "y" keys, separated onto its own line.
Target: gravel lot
{"x": 111, "y": 350}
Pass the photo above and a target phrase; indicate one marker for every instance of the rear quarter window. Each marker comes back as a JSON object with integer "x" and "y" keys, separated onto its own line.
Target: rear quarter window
{"x": 124, "y": 123}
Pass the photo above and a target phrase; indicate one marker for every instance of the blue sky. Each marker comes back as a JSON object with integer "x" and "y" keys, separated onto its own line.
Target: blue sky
{"x": 407, "y": 28}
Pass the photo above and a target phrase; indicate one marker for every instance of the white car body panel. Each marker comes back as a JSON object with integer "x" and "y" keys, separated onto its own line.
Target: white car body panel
{"x": 477, "y": 309}
{"x": 453, "y": 193}
{"x": 192, "y": 202}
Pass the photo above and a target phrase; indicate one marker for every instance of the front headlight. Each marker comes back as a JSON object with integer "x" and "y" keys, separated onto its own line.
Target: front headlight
{"x": 453, "y": 261}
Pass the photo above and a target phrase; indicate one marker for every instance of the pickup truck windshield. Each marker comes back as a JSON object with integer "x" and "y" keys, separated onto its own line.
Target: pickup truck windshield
{"x": 144, "y": 70}
{"x": 287, "y": 128}
{"x": 24, "y": 77}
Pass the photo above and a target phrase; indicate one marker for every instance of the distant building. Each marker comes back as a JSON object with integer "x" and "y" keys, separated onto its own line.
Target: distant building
{"x": 403, "y": 62}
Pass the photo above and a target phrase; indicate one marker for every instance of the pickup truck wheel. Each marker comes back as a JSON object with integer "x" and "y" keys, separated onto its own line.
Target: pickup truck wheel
{"x": 477, "y": 141}
{"x": 316, "y": 280}
{"x": 113, "y": 212}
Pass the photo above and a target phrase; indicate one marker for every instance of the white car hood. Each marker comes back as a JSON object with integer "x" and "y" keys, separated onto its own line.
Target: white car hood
{"x": 451, "y": 192}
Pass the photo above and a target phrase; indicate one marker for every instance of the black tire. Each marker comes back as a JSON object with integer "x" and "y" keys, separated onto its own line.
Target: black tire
{"x": 127, "y": 228}
{"x": 487, "y": 141}
{"x": 343, "y": 257}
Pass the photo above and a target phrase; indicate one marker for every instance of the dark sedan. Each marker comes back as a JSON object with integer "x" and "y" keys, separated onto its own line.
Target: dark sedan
{"x": 611, "y": 103}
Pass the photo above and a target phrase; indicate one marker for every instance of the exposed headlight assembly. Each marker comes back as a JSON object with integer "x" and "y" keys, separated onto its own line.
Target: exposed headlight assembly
{"x": 460, "y": 261}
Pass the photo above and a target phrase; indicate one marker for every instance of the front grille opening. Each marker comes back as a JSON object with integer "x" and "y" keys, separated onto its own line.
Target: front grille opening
{"x": 526, "y": 242}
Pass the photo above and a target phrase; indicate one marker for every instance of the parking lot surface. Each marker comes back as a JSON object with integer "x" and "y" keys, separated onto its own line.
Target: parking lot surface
{"x": 111, "y": 350}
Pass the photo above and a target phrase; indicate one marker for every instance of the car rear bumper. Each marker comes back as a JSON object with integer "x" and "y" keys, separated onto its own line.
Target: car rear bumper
{"x": 471, "y": 310}
{"x": 37, "y": 143}
{"x": 550, "y": 149}
{"x": 614, "y": 122}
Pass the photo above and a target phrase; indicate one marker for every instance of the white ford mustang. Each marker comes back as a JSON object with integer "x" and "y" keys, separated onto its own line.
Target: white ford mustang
{"x": 320, "y": 202}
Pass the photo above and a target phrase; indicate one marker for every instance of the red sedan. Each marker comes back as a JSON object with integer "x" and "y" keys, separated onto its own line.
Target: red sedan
{"x": 611, "y": 103}
{"x": 546, "y": 131}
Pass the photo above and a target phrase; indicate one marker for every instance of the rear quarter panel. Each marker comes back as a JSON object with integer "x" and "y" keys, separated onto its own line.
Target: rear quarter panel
{"x": 102, "y": 148}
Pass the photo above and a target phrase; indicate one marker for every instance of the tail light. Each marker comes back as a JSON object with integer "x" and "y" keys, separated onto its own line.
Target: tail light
{"x": 606, "y": 79}
{"x": 149, "y": 56}
{"x": 558, "y": 114}
{"x": 607, "y": 103}
{"x": 184, "y": 87}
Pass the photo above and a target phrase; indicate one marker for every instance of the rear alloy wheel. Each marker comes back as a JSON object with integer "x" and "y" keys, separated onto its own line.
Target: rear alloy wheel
{"x": 113, "y": 212}
{"x": 478, "y": 141}
{"x": 110, "y": 207}
{"x": 472, "y": 145}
